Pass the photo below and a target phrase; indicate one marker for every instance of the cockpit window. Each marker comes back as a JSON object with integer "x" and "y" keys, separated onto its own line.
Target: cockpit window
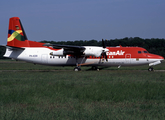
{"x": 139, "y": 52}
{"x": 145, "y": 51}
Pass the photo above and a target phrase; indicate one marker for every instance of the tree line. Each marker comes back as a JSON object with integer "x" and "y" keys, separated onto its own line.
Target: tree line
{"x": 153, "y": 45}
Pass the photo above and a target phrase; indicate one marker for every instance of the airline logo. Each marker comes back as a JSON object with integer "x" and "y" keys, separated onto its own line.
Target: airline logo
{"x": 119, "y": 52}
{"x": 15, "y": 34}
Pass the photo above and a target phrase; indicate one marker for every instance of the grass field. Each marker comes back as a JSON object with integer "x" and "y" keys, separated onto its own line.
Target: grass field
{"x": 35, "y": 92}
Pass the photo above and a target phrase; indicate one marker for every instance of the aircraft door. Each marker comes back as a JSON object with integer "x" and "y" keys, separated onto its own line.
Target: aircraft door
{"x": 44, "y": 58}
{"x": 128, "y": 58}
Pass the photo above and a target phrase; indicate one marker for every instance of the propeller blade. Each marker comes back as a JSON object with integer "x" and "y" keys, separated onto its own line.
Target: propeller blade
{"x": 104, "y": 52}
{"x": 105, "y": 56}
{"x": 103, "y": 43}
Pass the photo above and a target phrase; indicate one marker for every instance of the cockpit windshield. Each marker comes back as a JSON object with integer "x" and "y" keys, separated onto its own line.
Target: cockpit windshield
{"x": 142, "y": 52}
{"x": 145, "y": 51}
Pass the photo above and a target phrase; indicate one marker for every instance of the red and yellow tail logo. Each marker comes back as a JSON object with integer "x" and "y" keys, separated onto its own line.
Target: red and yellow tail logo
{"x": 15, "y": 35}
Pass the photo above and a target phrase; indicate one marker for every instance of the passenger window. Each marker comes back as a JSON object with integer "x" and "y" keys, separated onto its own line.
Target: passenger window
{"x": 139, "y": 52}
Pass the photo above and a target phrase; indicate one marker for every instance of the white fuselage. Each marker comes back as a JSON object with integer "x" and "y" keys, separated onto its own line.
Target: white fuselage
{"x": 40, "y": 55}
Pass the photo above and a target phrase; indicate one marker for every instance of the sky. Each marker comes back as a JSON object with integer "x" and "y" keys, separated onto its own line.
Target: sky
{"x": 70, "y": 20}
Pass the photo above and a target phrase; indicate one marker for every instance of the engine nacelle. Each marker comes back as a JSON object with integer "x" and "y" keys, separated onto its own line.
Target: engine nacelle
{"x": 94, "y": 51}
{"x": 58, "y": 53}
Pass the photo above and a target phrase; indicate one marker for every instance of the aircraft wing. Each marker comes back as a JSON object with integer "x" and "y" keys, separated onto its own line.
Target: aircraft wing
{"x": 56, "y": 46}
{"x": 68, "y": 49}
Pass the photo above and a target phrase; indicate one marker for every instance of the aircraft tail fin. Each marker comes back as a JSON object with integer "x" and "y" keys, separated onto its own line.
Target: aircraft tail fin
{"x": 17, "y": 36}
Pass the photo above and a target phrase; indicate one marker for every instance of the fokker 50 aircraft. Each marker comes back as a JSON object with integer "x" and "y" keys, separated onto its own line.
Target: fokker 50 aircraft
{"x": 20, "y": 48}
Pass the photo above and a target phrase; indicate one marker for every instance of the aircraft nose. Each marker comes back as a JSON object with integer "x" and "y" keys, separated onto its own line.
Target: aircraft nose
{"x": 160, "y": 57}
{"x": 153, "y": 56}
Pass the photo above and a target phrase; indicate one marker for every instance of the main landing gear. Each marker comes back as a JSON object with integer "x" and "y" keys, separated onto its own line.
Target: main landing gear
{"x": 150, "y": 69}
{"x": 77, "y": 68}
{"x": 95, "y": 68}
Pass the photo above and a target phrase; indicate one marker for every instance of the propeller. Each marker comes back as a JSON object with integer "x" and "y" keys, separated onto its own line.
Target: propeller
{"x": 103, "y": 43}
{"x": 104, "y": 50}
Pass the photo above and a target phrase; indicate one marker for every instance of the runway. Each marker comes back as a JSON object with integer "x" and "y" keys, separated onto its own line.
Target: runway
{"x": 74, "y": 71}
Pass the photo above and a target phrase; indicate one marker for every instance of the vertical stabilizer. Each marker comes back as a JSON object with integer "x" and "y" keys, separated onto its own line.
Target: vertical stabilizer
{"x": 17, "y": 36}
{"x": 16, "y": 33}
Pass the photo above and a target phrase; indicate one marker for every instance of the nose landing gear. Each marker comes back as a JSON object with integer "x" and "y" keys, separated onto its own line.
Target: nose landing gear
{"x": 150, "y": 69}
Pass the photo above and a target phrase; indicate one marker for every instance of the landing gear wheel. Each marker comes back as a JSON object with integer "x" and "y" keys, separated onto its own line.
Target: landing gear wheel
{"x": 77, "y": 69}
{"x": 95, "y": 68}
{"x": 150, "y": 69}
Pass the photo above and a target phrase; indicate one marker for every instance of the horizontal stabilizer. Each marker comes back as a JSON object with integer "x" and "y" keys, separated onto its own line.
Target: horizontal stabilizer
{"x": 14, "y": 48}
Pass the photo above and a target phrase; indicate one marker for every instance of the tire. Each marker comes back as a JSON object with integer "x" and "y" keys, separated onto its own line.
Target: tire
{"x": 77, "y": 69}
{"x": 150, "y": 69}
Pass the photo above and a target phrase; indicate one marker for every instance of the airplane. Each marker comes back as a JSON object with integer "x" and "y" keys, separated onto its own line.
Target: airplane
{"x": 20, "y": 48}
